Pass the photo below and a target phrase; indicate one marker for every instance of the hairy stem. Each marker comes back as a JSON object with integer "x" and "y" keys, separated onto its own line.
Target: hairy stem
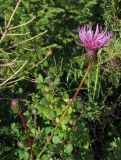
{"x": 65, "y": 111}
{"x": 35, "y": 127}
{"x": 27, "y": 134}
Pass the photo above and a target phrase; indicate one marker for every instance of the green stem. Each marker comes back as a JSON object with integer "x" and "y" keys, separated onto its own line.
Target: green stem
{"x": 65, "y": 111}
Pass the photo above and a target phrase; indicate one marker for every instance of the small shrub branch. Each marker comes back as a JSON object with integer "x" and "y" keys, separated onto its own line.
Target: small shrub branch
{"x": 65, "y": 111}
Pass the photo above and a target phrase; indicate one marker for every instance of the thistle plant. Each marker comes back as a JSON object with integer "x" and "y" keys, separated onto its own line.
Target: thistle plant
{"x": 14, "y": 102}
{"x": 15, "y": 106}
{"x": 92, "y": 41}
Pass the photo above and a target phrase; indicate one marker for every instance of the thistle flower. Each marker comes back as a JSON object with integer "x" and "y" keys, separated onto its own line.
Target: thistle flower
{"x": 92, "y": 41}
{"x": 15, "y": 105}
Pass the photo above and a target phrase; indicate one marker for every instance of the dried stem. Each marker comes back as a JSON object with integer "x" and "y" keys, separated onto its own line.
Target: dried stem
{"x": 27, "y": 133}
{"x": 27, "y": 40}
{"x": 8, "y": 64}
{"x": 23, "y": 24}
{"x": 17, "y": 34}
{"x": 17, "y": 5}
{"x": 8, "y": 24}
{"x": 48, "y": 54}
{"x": 14, "y": 81}
{"x": 65, "y": 111}
{"x": 14, "y": 74}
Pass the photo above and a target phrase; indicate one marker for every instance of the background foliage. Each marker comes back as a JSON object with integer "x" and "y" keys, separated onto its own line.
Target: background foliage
{"x": 52, "y": 66}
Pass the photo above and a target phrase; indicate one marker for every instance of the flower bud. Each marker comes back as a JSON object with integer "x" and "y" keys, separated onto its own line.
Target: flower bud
{"x": 15, "y": 105}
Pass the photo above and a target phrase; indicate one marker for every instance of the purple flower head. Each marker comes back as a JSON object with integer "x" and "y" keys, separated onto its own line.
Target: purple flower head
{"x": 14, "y": 102}
{"x": 93, "y": 40}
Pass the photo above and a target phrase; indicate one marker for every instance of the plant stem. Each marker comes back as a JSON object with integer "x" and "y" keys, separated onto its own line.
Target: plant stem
{"x": 27, "y": 134}
{"x": 35, "y": 127}
{"x": 65, "y": 111}
{"x": 9, "y": 22}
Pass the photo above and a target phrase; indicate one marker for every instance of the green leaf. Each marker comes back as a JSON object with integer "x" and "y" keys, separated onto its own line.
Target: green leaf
{"x": 39, "y": 79}
{"x": 13, "y": 125}
{"x": 44, "y": 157}
{"x": 57, "y": 80}
{"x": 70, "y": 110}
{"x": 63, "y": 127}
{"x": 68, "y": 148}
{"x": 56, "y": 140}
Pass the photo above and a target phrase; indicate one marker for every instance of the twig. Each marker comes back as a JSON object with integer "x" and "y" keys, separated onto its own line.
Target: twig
{"x": 14, "y": 74}
{"x": 108, "y": 59}
{"x": 30, "y": 80}
{"x": 8, "y": 24}
{"x": 27, "y": 133}
{"x": 1, "y": 30}
{"x": 48, "y": 54}
{"x": 28, "y": 49}
{"x": 3, "y": 36}
{"x": 5, "y": 21}
{"x": 21, "y": 25}
{"x": 17, "y": 5}
{"x": 14, "y": 81}
{"x": 5, "y": 51}
{"x": 8, "y": 64}
{"x": 17, "y": 34}
{"x": 65, "y": 111}
{"x": 27, "y": 40}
